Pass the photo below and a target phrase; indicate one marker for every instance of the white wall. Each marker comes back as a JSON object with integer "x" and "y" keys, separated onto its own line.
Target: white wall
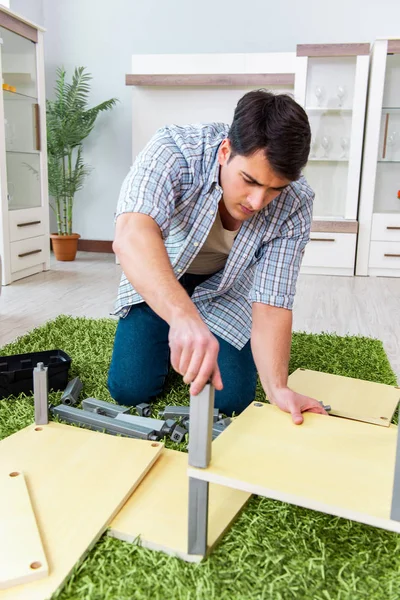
{"x": 103, "y": 35}
{"x": 30, "y": 9}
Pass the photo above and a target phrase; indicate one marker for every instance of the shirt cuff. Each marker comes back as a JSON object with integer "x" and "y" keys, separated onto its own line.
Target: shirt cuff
{"x": 273, "y": 300}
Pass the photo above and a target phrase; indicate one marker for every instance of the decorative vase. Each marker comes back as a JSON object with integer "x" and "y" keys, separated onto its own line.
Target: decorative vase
{"x": 65, "y": 246}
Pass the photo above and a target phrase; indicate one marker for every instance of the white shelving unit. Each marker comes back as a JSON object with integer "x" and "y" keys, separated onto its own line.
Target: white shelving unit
{"x": 195, "y": 88}
{"x": 331, "y": 84}
{"x": 378, "y": 250}
{"x": 24, "y": 207}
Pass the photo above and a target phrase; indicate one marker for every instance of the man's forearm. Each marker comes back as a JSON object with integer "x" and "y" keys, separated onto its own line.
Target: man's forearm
{"x": 271, "y": 339}
{"x": 144, "y": 260}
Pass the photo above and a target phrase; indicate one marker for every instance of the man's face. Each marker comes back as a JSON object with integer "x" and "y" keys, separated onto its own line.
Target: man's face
{"x": 249, "y": 184}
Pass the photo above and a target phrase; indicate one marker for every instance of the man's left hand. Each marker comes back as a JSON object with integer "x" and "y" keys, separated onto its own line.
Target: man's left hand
{"x": 295, "y": 404}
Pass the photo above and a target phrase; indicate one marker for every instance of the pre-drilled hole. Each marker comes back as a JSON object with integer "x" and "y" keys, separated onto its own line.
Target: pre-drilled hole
{"x": 35, "y": 565}
{"x": 155, "y": 445}
{"x": 384, "y": 418}
{"x": 258, "y": 404}
{"x": 14, "y": 474}
{"x": 38, "y": 428}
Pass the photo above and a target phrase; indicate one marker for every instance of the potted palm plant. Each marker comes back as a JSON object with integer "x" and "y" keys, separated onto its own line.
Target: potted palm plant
{"x": 69, "y": 122}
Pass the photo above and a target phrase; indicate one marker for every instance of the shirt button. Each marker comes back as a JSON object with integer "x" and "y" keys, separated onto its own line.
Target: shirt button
{"x": 212, "y": 212}
{"x": 195, "y": 243}
{"x": 179, "y": 270}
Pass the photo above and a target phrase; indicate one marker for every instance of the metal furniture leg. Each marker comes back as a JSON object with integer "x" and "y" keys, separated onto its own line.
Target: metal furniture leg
{"x": 200, "y": 438}
{"x": 40, "y": 394}
{"x": 395, "y": 510}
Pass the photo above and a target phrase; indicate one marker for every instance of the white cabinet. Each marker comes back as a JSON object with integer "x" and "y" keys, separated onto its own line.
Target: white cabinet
{"x": 330, "y": 253}
{"x": 331, "y": 84}
{"x": 24, "y": 207}
{"x": 379, "y": 236}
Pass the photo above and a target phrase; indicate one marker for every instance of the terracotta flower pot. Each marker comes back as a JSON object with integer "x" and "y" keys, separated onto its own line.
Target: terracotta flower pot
{"x": 65, "y": 246}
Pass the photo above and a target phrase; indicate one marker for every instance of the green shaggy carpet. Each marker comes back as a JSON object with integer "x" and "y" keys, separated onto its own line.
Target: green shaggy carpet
{"x": 274, "y": 550}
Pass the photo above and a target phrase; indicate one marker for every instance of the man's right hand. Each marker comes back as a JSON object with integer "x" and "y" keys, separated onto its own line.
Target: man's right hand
{"x": 194, "y": 353}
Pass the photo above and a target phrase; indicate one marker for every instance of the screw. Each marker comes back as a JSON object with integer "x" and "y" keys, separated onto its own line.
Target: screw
{"x": 258, "y": 404}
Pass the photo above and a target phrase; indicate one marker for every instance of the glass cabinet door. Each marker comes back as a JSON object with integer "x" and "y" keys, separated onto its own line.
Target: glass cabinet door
{"x": 21, "y": 121}
{"x": 329, "y": 105}
{"x": 387, "y": 186}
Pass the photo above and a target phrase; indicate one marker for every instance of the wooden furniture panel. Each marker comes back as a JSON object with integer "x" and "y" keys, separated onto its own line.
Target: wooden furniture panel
{"x": 22, "y": 557}
{"x": 336, "y": 466}
{"x": 326, "y": 50}
{"x": 78, "y": 480}
{"x": 332, "y": 226}
{"x": 8, "y": 21}
{"x": 350, "y": 398}
{"x": 158, "y": 509}
{"x": 393, "y": 47}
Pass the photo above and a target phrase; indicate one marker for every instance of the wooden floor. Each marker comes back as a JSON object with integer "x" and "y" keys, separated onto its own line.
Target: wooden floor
{"x": 368, "y": 306}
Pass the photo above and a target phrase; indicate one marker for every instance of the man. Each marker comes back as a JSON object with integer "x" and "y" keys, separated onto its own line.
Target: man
{"x": 211, "y": 228}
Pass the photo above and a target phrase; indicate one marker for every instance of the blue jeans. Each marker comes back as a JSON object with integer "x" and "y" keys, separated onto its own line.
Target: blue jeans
{"x": 141, "y": 360}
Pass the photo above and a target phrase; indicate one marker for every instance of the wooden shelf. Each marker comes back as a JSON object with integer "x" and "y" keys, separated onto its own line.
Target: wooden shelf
{"x": 334, "y": 225}
{"x": 323, "y": 50}
{"x": 355, "y": 463}
{"x": 393, "y": 47}
{"x": 240, "y": 79}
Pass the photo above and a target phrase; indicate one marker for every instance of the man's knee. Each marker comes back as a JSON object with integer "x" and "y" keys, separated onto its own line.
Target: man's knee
{"x": 235, "y": 397}
{"x": 129, "y": 394}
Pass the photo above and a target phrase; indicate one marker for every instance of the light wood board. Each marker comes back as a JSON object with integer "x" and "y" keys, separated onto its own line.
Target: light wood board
{"x": 158, "y": 509}
{"x": 22, "y": 557}
{"x": 350, "y": 398}
{"x": 78, "y": 480}
{"x": 337, "y": 466}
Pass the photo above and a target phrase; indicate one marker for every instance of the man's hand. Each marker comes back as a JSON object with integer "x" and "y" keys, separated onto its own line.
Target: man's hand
{"x": 294, "y": 403}
{"x": 194, "y": 353}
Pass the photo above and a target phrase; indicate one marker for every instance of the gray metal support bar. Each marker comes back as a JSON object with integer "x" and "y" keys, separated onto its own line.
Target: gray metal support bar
{"x": 97, "y": 422}
{"x": 177, "y": 412}
{"x": 395, "y": 510}
{"x": 200, "y": 427}
{"x": 40, "y": 394}
{"x": 72, "y": 391}
{"x": 155, "y": 424}
{"x": 200, "y": 438}
{"x": 198, "y": 516}
{"x": 103, "y": 408}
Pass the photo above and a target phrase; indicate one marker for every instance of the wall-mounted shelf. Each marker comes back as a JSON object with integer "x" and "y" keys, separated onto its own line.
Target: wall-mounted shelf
{"x": 332, "y": 50}
{"x": 239, "y": 79}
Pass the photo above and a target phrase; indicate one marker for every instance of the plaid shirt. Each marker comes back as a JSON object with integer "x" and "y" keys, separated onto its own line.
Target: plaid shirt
{"x": 175, "y": 180}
